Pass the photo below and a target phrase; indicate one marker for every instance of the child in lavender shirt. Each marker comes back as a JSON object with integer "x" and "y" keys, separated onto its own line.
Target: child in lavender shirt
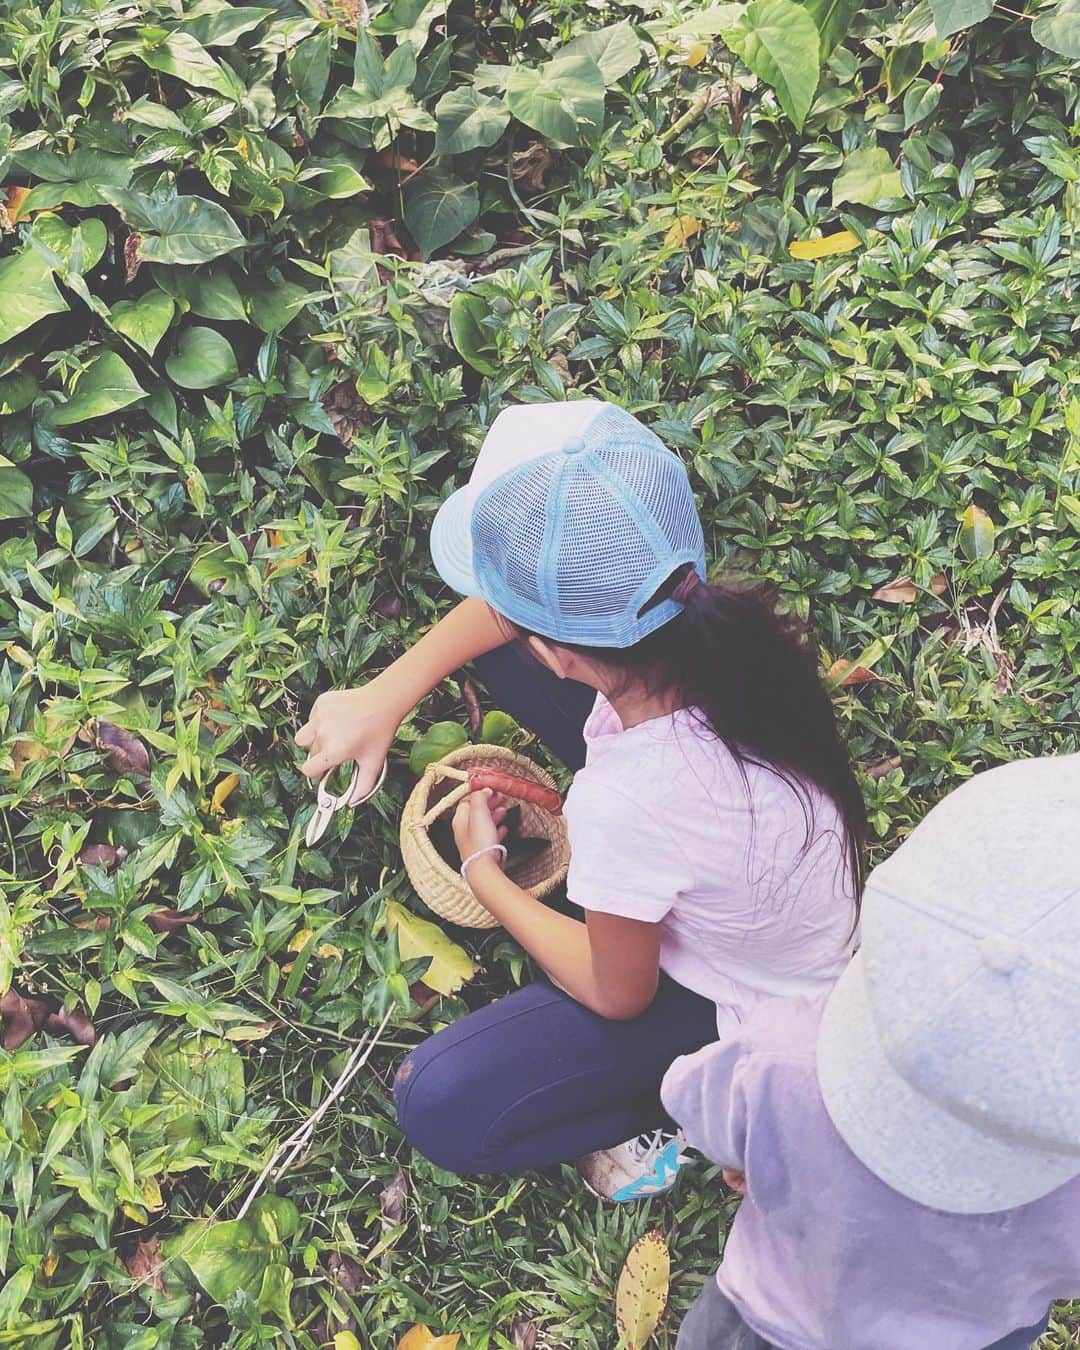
{"x": 909, "y": 1147}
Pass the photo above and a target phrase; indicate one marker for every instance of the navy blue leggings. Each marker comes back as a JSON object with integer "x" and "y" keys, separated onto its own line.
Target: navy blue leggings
{"x": 536, "y": 1078}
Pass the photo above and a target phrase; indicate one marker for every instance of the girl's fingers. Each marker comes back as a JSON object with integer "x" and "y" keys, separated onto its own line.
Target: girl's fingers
{"x": 305, "y": 735}
{"x": 316, "y": 765}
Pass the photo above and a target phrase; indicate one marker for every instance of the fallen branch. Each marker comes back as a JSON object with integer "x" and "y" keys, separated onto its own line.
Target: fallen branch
{"x": 301, "y": 1137}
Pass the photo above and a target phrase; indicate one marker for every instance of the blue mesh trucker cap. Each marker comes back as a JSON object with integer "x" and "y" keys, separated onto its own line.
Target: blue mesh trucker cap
{"x": 575, "y": 515}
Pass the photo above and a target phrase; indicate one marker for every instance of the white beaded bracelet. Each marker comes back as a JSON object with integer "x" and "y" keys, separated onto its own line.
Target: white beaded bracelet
{"x": 491, "y": 848}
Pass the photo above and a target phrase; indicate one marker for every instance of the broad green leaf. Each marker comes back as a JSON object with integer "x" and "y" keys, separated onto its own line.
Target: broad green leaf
{"x": 221, "y": 26}
{"x": 867, "y": 177}
{"x": 920, "y": 101}
{"x": 277, "y": 1217}
{"x": 106, "y": 385}
{"x": 438, "y": 207}
{"x": 833, "y": 19}
{"x": 79, "y": 247}
{"x": 275, "y": 302}
{"x": 1059, "y": 29}
{"x": 146, "y": 320}
{"x": 203, "y": 359}
{"x": 437, "y": 741}
{"x": 80, "y": 164}
{"x": 275, "y": 1291}
{"x": 642, "y": 1292}
{"x": 183, "y": 56}
{"x": 498, "y": 728}
{"x": 950, "y": 16}
{"x": 183, "y": 230}
{"x": 17, "y": 391}
{"x": 468, "y": 119}
{"x": 615, "y": 49}
{"x": 333, "y": 180}
{"x": 16, "y": 494}
{"x": 473, "y": 341}
{"x": 451, "y": 966}
{"x": 308, "y": 67}
{"x": 27, "y": 292}
{"x": 778, "y": 40}
{"x": 223, "y": 1257}
{"x": 410, "y": 20}
{"x": 352, "y": 266}
{"x": 562, "y": 99}
{"x": 901, "y": 66}
{"x": 706, "y": 23}
{"x": 209, "y": 292}
{"x": 976, "y": 533}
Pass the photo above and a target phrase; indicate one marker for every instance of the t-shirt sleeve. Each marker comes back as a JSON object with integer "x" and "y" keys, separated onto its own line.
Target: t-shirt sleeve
{"x": 622, "y": 860}
{"x": 705, "y": 1093}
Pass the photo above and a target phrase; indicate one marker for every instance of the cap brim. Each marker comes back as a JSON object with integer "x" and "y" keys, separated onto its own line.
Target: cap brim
{"x": 910, "y": 1143}
{"x": 451, "y": 543}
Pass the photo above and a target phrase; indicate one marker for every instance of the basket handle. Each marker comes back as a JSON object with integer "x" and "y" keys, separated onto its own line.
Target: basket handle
{"x": 510, "y": 784}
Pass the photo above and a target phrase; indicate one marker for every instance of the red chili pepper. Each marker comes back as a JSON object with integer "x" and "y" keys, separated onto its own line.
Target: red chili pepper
{"x": 522, "y": 789}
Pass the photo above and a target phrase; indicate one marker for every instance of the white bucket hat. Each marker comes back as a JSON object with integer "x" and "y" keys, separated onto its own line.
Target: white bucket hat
{"x": 949, "y": 1053}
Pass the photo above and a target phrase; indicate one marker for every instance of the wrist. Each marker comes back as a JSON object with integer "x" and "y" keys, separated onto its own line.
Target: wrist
{"x": 482, "y": 867}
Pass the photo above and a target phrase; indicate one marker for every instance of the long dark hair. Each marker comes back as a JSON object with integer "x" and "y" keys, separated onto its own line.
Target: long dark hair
{"x": 751, "y": 674}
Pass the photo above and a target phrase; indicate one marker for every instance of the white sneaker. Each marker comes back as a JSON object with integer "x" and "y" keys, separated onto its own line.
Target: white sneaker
{"x": 647, "y": 1165}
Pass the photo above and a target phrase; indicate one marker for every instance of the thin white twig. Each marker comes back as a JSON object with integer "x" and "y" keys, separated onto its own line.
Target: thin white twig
{"x": 299, "y": 1139}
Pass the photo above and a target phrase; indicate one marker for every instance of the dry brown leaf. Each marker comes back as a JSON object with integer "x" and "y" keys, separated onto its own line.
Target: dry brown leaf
{"x": 392, "y": 1202}
{"x": 883, "y": 767}
{"x": 74, "y": 1024}
{"x": 388, "y": 606}
{"x": 168, "y": 920}
{"x": 472, "y": 703}
{"x": 126, "y": 753}
{"x": 683, "y": 229}
{"x": 354, "y": 12}
{"x": 903, "y": 590}
{"x": 384, "y": 237}
{"x": 145, "y": 1264}
{"x": 531, "y": 167}
{"x": 523, "y": 1334}
{"x": 844, "y": 673}
{"x": 52, "y": 1260}
{"x": 27, "y": 749}
{"x": 13, "y": 200}
{"x": 102, "y": 855}
{"x": 21, "y": 1017}
{"x": 346, "y": 1273}
{"x": 423, "y": 995}
{"x": 131, "y": 255}
{"x": 390, "y": 159}
{"x": 642, "y": 1291}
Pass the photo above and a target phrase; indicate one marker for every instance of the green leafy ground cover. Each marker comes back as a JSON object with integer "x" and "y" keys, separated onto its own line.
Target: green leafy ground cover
{"x": 266, "y": 273}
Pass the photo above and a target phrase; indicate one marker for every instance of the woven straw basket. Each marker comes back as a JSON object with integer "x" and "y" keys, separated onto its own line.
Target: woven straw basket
{"x": 438, "y": 884}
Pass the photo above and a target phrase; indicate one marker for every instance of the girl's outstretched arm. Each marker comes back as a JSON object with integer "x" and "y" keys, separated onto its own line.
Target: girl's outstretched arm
{"x": 361, "y": 723}
{"x": 610, "y": 964}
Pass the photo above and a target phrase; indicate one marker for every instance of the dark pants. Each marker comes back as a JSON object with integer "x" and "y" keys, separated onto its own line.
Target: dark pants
{"x": 536, "y": 1078}
{"x": 714, "y": 1323}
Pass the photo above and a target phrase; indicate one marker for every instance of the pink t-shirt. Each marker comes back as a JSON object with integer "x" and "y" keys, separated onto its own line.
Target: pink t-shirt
{"x": 664, "y": 827}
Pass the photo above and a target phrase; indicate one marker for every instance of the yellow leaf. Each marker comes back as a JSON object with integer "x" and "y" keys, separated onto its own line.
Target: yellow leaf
{"x": 843, "y": 241}
{"x": 52, "y": 1260}
{"x": 242, "y": 149}
{"x": 301, "y": 939}
{"x": 151, "y": 1194}
{"x": 135, "y": 1214}
{"x": 692, "y": 54}
{"x": 642, "y": 1292}
{"x": 27, "y": 749}
{"x": 450, "y": 964}
{"x": 903, "y": 590}
{"x": 327, "y": 951}
{"x": 345, "y": 1340}
{"x": 13, "y": 200}
{"x": 222, "y": 793}
{"x": 420, "y": 1338}
{"x": 682, "y": 230}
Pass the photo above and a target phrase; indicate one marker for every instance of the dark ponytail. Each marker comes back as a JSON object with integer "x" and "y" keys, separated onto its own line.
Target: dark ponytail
{"x": 752, "y": 674}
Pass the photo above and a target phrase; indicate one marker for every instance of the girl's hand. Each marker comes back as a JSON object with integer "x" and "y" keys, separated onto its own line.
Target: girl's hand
{"x": 478, "y": 822}
{"x": 735, "y": 1179}
{"x": 346, "y": 724}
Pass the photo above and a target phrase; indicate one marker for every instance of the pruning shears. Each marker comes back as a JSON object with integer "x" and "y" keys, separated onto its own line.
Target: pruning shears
{"x": 327, "y": 804}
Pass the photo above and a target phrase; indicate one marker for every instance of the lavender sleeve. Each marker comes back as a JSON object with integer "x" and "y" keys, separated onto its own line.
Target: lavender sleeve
{"x": 706, "y": 1094}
